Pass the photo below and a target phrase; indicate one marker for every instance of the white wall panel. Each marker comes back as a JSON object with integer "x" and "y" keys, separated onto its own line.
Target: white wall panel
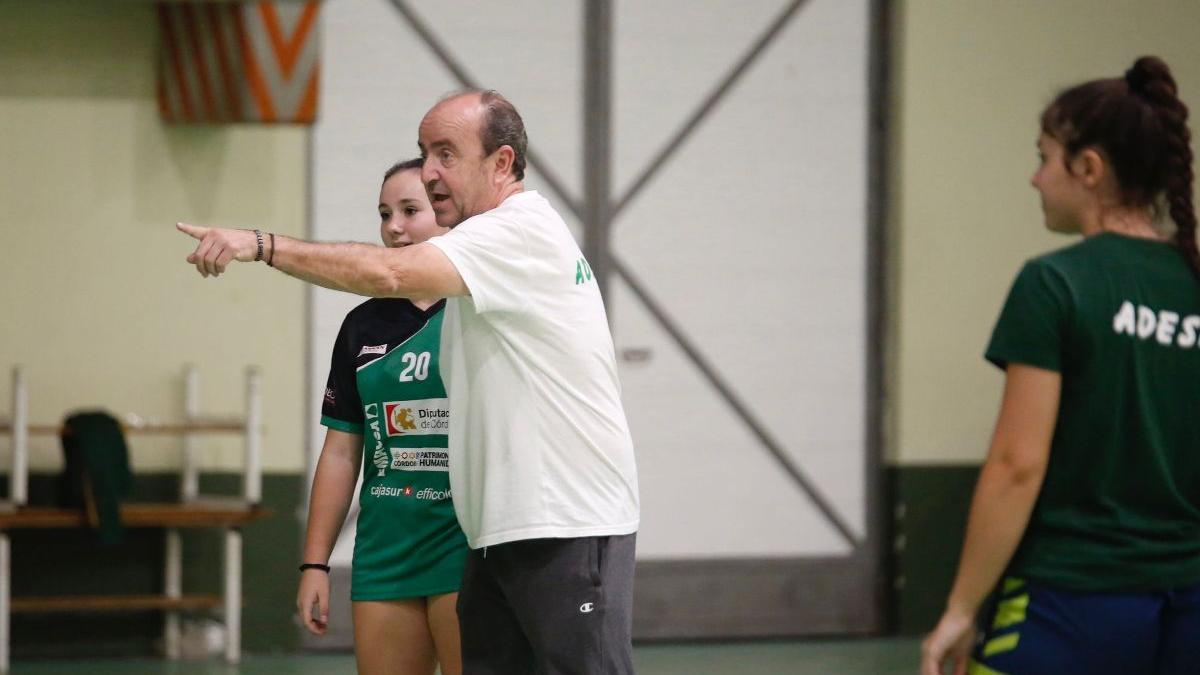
{"x": 752, "y": 236}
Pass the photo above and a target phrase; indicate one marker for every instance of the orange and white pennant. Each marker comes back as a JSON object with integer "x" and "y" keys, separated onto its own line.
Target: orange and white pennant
{"x": 238, "y": 62}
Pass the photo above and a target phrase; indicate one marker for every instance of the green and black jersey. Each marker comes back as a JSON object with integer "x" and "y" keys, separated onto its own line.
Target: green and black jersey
{"x": 385, "y": 384}
{"x": 1119, "y": 318}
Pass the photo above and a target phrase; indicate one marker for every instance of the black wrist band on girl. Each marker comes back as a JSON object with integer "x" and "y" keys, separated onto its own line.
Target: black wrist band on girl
{"x": 315, "y": 566}
{"x": 271, "y": 260}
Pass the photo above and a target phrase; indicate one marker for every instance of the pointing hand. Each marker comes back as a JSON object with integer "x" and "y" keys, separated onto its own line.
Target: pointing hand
{"x": 218, "y": 247}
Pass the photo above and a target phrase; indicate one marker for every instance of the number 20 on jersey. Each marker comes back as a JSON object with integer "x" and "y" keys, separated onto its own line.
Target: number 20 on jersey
{"x": 416, "y": 366}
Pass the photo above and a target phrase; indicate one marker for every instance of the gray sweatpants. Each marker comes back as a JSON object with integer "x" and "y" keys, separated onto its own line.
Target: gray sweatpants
{"x": 549, "y": 607}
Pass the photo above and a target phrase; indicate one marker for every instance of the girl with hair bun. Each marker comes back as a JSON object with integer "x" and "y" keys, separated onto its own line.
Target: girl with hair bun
{"x": 386, "y": 413}
{"x": 1085, "y": 524}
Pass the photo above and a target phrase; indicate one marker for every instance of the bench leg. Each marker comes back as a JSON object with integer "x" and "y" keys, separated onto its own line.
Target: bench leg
{"x": 233, "y": 595}
{"x": 174, "y": 589}
{"x": 5, "y": 599}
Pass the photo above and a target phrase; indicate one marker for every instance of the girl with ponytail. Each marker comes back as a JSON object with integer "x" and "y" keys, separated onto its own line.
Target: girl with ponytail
{"x": 1085, "y": 525}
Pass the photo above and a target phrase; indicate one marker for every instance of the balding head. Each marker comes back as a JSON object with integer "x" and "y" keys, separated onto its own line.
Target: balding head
{"x": 499, "y": 123}
{"x": 474, "y": 143}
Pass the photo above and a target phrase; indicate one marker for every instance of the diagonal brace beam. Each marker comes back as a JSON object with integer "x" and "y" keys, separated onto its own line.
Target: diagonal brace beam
{"x": 557, "y": 186}
{"x": 706, "y": 107}
{"x": 742, "y": 410}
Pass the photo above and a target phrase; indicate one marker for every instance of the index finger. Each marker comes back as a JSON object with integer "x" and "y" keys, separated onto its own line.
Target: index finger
{"x": 194, "y": 231}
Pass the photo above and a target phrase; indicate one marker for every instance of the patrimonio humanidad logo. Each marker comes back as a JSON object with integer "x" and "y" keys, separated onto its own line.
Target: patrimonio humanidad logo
{"x": 583, "y": 271}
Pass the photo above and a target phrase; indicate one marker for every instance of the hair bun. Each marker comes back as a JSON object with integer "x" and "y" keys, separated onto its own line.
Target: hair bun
{"x": 1146, "y": 72}
{"x": 1136, "y": 79}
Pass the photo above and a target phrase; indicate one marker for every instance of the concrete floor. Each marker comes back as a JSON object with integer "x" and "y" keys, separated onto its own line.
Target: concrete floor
{"x": 887, "y": 656}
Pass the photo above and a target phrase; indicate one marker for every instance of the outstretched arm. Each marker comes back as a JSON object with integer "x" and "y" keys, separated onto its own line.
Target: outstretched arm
{"x": 420, "y": 271}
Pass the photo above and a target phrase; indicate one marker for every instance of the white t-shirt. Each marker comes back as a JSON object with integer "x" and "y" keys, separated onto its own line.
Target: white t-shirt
{"x": 539, "y": 445}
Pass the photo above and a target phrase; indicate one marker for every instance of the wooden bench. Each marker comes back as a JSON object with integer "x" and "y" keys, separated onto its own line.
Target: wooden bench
{"x": 192, "y": 511}
{"x": 168, "y": 515}
{"x": 225, "y": 516}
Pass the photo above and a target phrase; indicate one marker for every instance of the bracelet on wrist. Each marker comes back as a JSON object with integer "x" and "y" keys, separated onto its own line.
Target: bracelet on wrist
{"x": 271, "y": 259}
{"x": 258, "y": 237}
{"x": 315, "y": 566}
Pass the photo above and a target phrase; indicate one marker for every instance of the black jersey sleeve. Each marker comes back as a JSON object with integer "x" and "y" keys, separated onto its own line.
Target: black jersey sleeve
{"x": 341, "y": 407}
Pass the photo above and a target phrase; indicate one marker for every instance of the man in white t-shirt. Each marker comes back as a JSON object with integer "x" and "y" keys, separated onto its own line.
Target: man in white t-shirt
{"x": 541, "y": 461}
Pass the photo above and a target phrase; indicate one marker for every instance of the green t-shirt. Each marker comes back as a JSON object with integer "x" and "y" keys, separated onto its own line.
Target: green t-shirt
{"x": 1119, "y": 318}
{"x": 385, "y": 384}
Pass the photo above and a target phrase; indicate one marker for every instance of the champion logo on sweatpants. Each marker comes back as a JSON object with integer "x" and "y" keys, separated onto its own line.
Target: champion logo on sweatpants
{"x": 586, "y": 608}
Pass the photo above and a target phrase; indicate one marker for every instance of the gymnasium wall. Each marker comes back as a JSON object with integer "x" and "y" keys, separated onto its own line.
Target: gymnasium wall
{"x": 969, "y": 79}
{"x": 101, "y": 311}
{"x": 795, "y": 342}
{"x": 752, "y": 240}
{"x": 99, "y": 305}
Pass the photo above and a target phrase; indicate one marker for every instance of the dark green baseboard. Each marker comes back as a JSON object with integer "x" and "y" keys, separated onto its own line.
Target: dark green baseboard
{"x": 63, "y": 562}
{"x": 930, "y": 511}
{"x": 930, "y": 505}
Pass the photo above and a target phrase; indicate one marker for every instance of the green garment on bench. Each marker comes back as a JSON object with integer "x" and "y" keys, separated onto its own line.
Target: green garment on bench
{"x": 97, "y": 474}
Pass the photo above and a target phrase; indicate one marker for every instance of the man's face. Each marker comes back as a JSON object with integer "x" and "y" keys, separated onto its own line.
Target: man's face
{"x": 456, "y": 175}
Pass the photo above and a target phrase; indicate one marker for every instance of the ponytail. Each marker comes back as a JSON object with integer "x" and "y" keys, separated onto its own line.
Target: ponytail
{"x": 1151, "y": 80}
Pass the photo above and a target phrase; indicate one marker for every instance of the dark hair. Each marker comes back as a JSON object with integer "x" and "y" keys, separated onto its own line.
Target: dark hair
{"x": 405, "y": 165}
{"x": 501, "y": 125}
{"x": 1140, "y": 125}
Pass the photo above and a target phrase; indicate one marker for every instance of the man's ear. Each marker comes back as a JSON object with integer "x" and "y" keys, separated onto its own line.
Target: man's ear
{"x": 504, "y": 156}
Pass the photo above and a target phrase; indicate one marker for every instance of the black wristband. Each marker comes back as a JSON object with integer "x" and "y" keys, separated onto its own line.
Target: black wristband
{"x": 315, "y": 566}
{"x": 271, "y": 260}
{"x": 258, "y": 236}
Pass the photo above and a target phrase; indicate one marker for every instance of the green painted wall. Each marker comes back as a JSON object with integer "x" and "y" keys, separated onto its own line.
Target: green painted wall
{"x": 929, "y": 520}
